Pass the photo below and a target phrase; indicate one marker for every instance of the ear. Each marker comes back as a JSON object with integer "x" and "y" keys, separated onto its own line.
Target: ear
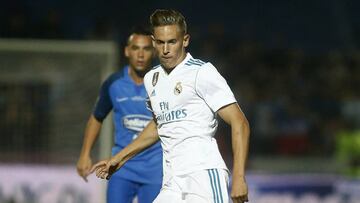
{"x": 126, "y": 51}
{"x": 186, "y": 40}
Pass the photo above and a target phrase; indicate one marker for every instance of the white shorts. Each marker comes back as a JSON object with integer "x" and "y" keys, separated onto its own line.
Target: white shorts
{"x": 205, "y": 186}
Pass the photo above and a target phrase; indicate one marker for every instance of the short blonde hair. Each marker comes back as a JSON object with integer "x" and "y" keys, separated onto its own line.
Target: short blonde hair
{"x": 162, "y": 17}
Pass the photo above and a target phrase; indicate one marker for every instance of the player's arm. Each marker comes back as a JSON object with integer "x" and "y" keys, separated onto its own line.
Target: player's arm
{"x": 102, "y": 108}
{"x": 91, "y": 133}
{"x": 149, "y": 136}
{"x": 240, "y": 133}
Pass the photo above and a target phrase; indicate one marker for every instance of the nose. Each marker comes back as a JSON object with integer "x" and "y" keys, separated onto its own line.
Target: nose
{"x": 166, "y": 49}
{"x": 141, "y": 53}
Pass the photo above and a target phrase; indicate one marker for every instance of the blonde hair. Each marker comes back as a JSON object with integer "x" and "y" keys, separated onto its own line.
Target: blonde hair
{"x": 162, "y": 17}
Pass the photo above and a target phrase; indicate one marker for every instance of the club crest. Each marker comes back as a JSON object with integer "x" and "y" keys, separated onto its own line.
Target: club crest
{"x": 155, "y": 78}
{"x": 178, "y": 88}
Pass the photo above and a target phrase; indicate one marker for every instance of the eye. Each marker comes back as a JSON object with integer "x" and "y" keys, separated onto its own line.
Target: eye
{"x": 134, "y": 48}
{"x": 148, "y": 48}
{"x": 159, "y": 42}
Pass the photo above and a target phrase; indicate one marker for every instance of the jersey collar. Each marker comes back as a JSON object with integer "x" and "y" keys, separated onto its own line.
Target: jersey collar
{"x": 188, "y": 57}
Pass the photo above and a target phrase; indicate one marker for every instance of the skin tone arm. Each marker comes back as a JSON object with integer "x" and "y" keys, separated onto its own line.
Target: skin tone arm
{"x": 91, "y": 133}
{"x": 149, "y": 136}
{"x": 240, "y": 132}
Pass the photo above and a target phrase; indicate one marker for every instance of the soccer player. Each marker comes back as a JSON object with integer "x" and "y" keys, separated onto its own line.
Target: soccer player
{"x": 185, "y": 96}
{"x": 124, "y": 93}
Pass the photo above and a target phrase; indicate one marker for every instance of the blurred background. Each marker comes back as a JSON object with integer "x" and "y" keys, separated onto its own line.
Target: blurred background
{"x": 294, "y": 67}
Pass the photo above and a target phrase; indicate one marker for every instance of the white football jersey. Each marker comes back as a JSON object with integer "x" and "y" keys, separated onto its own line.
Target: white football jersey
{"x": 184, "y": 104}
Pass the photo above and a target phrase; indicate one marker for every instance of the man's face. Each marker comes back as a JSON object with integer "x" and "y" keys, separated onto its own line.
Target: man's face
{"x": 139, "y": 52}
{"x": 170, "y": 43}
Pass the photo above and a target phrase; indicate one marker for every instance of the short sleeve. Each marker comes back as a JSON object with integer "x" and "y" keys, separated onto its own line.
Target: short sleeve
{"x": 103, "y": 104}
{"x": 213, "y": 88}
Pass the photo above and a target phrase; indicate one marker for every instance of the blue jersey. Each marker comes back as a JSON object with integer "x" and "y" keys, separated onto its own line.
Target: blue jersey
{"x": 127, "y": 100}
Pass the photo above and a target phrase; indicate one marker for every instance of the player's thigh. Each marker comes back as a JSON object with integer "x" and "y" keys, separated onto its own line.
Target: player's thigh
{"x": 148, "y": 192}
{"x": 120, "y": 190}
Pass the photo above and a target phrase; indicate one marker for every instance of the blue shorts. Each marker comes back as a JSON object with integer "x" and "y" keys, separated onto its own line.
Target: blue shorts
{"x": 124, "y": 191}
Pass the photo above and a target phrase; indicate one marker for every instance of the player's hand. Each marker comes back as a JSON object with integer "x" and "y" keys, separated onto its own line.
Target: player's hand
{"x": 104, "y": 169}
{"x": 100, "y": 169}
{"x": 239, "y": 191}
{"x": 83, "y": 167}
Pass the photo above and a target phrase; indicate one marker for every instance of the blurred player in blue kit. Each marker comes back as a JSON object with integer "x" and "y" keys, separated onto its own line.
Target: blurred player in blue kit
{"x": 125, "y": 94}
